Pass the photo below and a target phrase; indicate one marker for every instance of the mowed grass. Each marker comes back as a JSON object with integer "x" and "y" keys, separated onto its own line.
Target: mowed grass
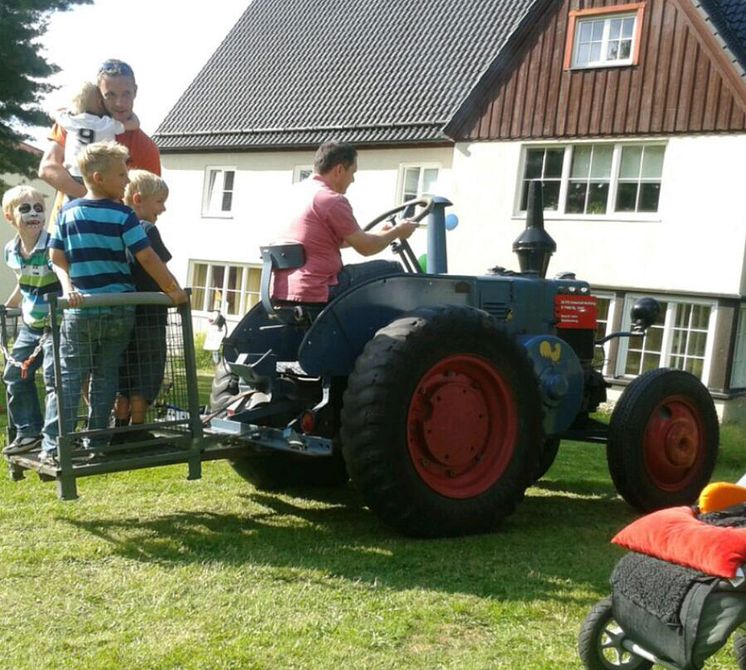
{"x": 149, "y": 570}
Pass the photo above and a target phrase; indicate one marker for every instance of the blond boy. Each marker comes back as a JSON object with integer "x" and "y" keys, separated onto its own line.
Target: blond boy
{"x": 26, "y": 255}
{"x": 89, "y": 248}
{"x": 141, "y": 373}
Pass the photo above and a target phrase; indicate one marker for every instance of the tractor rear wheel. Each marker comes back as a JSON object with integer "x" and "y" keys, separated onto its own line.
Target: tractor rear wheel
{"x": 663, "y": 440}
{"x": 441, "y": 423}
{"x": 273, "y": 471}
{"x": 278, "y": 471}
{"x": 224, "y": 387}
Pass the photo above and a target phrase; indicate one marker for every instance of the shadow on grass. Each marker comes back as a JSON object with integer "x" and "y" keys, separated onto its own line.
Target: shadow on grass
{"x": 556, "y": 543}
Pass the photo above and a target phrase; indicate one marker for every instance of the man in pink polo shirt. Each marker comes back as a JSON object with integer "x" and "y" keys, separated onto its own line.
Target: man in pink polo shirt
{"x": 323, "y": 222}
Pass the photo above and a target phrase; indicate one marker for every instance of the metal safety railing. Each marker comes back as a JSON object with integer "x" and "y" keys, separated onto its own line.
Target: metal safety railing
{"x": 115, "y": 351}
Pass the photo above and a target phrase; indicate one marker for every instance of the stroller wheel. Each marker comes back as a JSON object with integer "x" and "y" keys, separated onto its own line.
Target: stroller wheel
{"x": 739, "y": 646}
{"x": 600, "y": 642}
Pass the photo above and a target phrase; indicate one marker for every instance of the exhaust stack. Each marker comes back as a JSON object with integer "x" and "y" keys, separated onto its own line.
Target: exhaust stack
{"x": 534, "y": 246}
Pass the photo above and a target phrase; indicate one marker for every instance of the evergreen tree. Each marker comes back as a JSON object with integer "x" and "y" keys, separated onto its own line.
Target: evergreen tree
{"x": 23, "y": 70}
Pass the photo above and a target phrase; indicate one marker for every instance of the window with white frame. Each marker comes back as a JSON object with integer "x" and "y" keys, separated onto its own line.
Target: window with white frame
{"x": 230, "y": 288}
{"x": 217, "y": 199}
{"x": 301, "y": 172}
{"x": 416, "y": 180}
{"x": 680, "y": 340}
{"x": 604, "y": 37}
{"x": 595, "y": 179}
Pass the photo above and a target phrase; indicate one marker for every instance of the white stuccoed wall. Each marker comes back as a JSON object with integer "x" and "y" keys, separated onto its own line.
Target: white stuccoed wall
{"x": 261, "y": 181}
{"x": 695, "y": 243}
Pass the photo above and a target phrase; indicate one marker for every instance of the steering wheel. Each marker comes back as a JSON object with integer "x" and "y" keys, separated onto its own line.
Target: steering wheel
{"x": 401, "y": 247}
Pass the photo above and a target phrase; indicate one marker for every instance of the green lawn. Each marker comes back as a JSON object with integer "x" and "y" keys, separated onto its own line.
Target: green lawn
{"x": 148, "y": 570}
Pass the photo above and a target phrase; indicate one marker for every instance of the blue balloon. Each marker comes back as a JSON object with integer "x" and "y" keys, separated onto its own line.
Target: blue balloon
{"x": 451, "y": 221}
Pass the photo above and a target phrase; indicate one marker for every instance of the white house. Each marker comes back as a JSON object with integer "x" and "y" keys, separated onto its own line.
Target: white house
{"x": 633, "y": 116}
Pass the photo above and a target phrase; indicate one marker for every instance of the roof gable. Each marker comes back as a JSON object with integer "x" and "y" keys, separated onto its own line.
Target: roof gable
{"x": 293, "y": 74}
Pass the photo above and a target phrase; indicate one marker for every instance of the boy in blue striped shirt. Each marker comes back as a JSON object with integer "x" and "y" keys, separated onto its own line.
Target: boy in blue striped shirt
{"x": 88, "y": 249}
{"x": 26, "y": 254}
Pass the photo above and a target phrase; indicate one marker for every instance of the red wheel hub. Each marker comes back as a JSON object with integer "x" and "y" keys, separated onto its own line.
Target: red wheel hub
{"x": 462, "y": 426}
{"x": 674, "y": 443}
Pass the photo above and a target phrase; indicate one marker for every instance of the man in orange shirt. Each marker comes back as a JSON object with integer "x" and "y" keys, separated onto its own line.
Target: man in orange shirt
{"x": 116, "y": 81}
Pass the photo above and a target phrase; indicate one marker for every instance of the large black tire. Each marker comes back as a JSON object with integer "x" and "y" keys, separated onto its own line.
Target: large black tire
{"x": 739, "y": 648}
{"x": 278, "y": 471}
{"x": 441, "y": 423}
{"x": 599, "y": 642}
{"x": 224, "y": 387}
{"x": 663, "y": 440}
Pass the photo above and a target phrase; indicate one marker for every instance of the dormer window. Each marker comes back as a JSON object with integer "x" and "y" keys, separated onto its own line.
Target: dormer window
{"x": 604, "y": 37}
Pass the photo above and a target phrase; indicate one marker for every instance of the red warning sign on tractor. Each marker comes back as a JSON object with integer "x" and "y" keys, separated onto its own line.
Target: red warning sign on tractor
{"x": 575, "y": 311}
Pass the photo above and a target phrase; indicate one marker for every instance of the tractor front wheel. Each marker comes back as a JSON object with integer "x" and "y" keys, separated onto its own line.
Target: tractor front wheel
{"x": 663, "y": 440}
{"x": 441, "y": 423}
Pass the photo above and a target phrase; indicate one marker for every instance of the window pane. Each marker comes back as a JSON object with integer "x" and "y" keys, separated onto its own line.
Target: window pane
{"x": 650, "y": 361}
{"x": 429, "y": 177}
{"x": 553, "y": 164}
{"x": 585, "y": 31}
{"x": 632, "y": 366}
{"x": 626, "y": 197}
{"x": 595, "y": 56}
{"x": 581, "y": 161}
{"x": 598, "y": 31}
{"x": 228, "y": 186}
{"x": 701, "y": 316}
{"x": 625, "y": 49}
{"x": 649, "y": 197}
{"x": 628, "y": 26}
{"x": 613, "y": 51}
{"x": 583, "y": 56}
{"x": 695, "y": 366}
{"x": 254, "y": 282}
{"x": 551, "y": 195}
{"x": 411, "y": 181}
{"x": 697, "y": 344}
{"x": 199, "y": 282}
{"x": 534, "y": 162}
{"x": 576, "y": 198}
{"x": 601, "y": 166}
{"x": 227, "y": 201}
{"x": 630, "y": 168}
{"x": 598, "y": 196}
{"x": 215, "y": 297}
{"x": 652, "y": 162}
{"x": 615, "y": 28}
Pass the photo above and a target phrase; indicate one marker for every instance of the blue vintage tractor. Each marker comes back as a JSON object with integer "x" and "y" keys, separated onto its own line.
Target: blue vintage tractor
{"x": 444, "y": 397}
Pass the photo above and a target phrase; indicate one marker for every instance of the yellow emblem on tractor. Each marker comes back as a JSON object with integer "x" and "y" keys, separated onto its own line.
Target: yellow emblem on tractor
{"x": 551, "y": 351}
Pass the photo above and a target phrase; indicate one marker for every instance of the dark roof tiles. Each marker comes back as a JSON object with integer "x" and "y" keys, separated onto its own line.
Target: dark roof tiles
{"x": 383, "y": 70}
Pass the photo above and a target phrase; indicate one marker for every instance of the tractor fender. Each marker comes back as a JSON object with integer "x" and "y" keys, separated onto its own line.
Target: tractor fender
{"x": 560, "y": 376}
{"x": 339, "y": 334}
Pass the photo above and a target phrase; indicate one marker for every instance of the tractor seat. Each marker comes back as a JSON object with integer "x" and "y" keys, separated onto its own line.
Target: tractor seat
{"x": 287, "y": 256}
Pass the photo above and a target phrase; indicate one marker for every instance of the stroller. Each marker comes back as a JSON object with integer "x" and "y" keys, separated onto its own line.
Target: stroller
{"x": 680, "y": 592}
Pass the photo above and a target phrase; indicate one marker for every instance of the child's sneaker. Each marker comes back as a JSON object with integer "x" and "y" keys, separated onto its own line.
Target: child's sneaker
{"x": 22, "y": 445}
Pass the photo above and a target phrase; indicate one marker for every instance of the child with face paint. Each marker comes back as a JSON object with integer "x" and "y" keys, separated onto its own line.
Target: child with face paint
{"x": 26, "y": 254}
{"x": 87, "y": 122}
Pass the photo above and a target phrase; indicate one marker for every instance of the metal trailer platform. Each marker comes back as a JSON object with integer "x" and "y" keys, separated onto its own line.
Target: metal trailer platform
{"x": 174, "y": 425}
